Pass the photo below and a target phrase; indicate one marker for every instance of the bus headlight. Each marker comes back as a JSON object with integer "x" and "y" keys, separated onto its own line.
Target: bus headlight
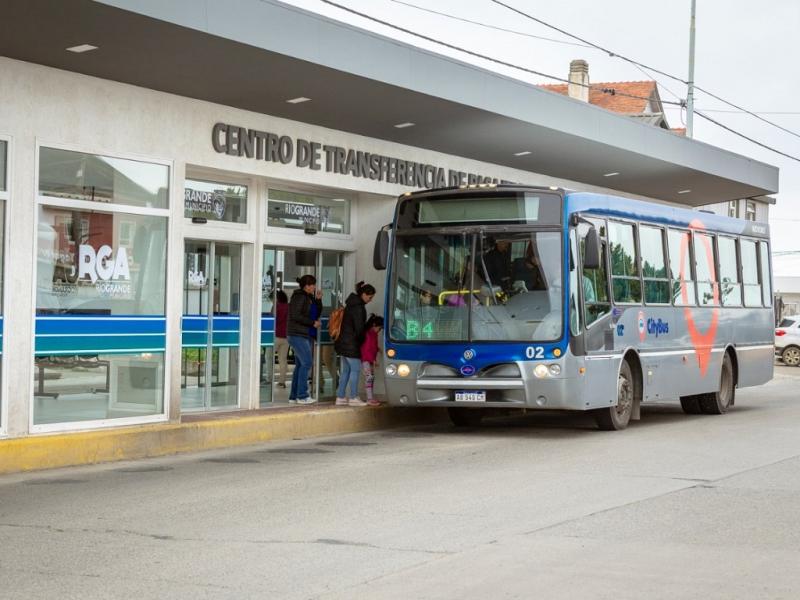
{"x": 404, "y": 370}
{"x": 541, "y": 371}
{"x": 391, "y": 370}
{"x": 554, "y": 370}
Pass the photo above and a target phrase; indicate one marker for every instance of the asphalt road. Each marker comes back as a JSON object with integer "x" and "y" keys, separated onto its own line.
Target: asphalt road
{"x": 543, "y": 506}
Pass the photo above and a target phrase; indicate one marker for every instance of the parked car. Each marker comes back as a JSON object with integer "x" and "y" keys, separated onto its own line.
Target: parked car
{"x": 787, "y": 341}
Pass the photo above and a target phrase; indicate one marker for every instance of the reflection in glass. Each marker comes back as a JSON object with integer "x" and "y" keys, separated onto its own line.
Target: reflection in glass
{"x": 306, "y": 211}
{"x": 100, "y": 325}
{"x": 215, "y": 201}
{"x": 730, "y": 288}
{"x": 80, "y": 176}
{"x": 210, "y": 328}
{"x": 3, "y": 152}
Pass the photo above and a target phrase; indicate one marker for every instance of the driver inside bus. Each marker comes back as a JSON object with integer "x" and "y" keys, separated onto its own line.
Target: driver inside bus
{"x": 527, "y": 270}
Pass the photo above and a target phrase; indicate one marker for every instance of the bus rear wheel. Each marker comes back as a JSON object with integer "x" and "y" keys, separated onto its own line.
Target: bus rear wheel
{"x": 718, "y": 403}
{"x": 617, "y": 417}
{"x": 465, "y": 417}
{"x": 691, "y": 405}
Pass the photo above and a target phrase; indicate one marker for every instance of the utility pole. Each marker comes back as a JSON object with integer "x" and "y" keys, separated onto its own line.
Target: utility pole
{"x": 690, "y": 92}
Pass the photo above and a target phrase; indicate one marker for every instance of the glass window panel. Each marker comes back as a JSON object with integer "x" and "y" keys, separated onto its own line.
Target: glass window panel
{"x": 306, "y": 211}
{"x": 531, "y": 308}
{"x": 3, "y": 152}
{"x": 707, "y": 290}
{"x": 432, "y": 288}
{"x": 596, "y": 301}
{"x": 86, "y": 265}
{"x": 574, "y": 311}
{"x": 623, "y": 250}
{"x": 215, "y": 201}
{"x": 624, "y": 267}
{"x": 730, "y": 287}
{"x": 752, "y": 288}
{"x": 680, "y": 258}
{"x": 80, "y": 176}
{"x": 110, "y": 271}
{"x": 651, "y": 241}
{"x": 765, "y": 273}
{"x": 656, "y": 291}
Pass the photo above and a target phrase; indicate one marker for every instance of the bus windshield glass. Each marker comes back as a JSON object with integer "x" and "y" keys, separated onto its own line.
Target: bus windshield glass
{"x": 477, "y": 287}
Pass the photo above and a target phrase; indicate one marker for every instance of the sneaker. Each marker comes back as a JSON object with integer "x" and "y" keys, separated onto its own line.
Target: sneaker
{"x": 292, "y": 400}
{"x": 373, "y": 402}
{"x": 308, "y": 400}
{"x": 341, "y": 401}
{"x": 356, "y": 402}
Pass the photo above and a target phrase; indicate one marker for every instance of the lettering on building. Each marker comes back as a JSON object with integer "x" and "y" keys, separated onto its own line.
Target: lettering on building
{"x": 270, "y": 147}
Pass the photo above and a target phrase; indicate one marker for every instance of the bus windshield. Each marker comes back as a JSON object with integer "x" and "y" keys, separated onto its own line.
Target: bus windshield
{"x": 477, "y": 287}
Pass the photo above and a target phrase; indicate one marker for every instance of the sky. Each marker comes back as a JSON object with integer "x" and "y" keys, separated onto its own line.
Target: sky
{"x": 746, "y": 52}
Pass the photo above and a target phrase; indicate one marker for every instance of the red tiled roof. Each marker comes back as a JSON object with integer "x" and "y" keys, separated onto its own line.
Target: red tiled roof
{"x": 615, "y": 102}
{"x": 678, "y": 130}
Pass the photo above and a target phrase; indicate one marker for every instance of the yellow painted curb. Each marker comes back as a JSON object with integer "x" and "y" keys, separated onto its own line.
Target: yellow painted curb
{"x": 144, "y": 441}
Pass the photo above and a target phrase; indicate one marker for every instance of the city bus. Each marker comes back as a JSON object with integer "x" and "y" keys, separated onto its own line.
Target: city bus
{"x": 517, "y": 297}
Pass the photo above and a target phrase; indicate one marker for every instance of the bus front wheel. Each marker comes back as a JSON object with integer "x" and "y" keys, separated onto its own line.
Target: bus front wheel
{"x": 465, "y": 417}
{"x": 617, "y": 417}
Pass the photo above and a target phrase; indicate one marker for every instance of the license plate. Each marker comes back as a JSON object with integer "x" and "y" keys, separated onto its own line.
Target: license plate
{"x": 472, "y": 396}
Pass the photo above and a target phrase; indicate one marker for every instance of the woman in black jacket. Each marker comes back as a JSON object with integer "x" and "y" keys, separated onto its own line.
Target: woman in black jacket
{"x": 348, "y": 344}
{"x": 300, "y": 321}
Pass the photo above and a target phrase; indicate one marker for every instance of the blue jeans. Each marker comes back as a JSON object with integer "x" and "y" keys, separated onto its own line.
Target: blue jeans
{"x": 351, "y": 370}
{"x": 301, "y": 346}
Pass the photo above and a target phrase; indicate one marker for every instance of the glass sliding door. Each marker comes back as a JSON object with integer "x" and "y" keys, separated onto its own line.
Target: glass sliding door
{"x": 210, "y": 326}
{"x": 281, "y": 269}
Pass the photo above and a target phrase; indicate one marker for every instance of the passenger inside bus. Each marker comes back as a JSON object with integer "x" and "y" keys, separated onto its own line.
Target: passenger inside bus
{"x": 526, "y": 270}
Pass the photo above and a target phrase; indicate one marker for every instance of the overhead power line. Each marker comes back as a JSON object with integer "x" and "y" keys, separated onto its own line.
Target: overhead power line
{"x": 605, "y": 90}
{"x": 741, "y": 135}
{"x": 488, "y": 26}
{"x": 635, "y": 62}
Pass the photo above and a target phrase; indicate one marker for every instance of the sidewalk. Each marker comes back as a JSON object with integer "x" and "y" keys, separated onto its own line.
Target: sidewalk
{"x": 200, "y": 432}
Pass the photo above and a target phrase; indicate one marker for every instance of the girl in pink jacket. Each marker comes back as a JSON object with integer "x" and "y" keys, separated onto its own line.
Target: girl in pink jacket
{"x": 369, "y": 356}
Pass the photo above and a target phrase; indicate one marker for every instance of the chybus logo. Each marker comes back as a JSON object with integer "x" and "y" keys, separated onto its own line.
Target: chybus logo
{"x": 657, "y": 327}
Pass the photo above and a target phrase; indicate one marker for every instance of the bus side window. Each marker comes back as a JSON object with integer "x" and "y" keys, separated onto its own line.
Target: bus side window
{"x": 594, "y": 281}
{"x": 624, "y": 264}
{"x": 707, "y": 281}
{"x": 680, "y": 267}
{"x": 766, "y": 281}
{"x": 752, "y": 289}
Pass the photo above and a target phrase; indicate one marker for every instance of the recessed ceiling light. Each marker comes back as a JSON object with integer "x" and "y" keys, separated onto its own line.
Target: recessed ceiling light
{"x": 404, "y": 125}
{"x": 610, "y": 174}
{"x": 81, "y": 48}
{"x": 298, "y": 100}
{"x": 523, "y": 153}
{"x": 684, "y": 191}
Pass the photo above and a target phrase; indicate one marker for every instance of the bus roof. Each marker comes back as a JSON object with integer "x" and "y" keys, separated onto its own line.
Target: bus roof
{"x": 662, "y": 214}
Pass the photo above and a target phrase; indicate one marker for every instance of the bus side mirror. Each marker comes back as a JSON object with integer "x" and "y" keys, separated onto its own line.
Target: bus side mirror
{"x": 591, "y": 252}
{"x": 380, "y": 254}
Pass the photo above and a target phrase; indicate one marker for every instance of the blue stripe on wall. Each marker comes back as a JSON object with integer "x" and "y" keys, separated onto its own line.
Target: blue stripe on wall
{"x": 99, "y": 334}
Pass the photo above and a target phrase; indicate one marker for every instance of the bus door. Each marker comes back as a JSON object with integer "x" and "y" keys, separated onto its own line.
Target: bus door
{"x": 598, "y": 334}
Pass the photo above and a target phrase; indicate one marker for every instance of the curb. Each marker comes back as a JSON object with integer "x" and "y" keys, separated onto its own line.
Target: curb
{"x": 238, "y": 429}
